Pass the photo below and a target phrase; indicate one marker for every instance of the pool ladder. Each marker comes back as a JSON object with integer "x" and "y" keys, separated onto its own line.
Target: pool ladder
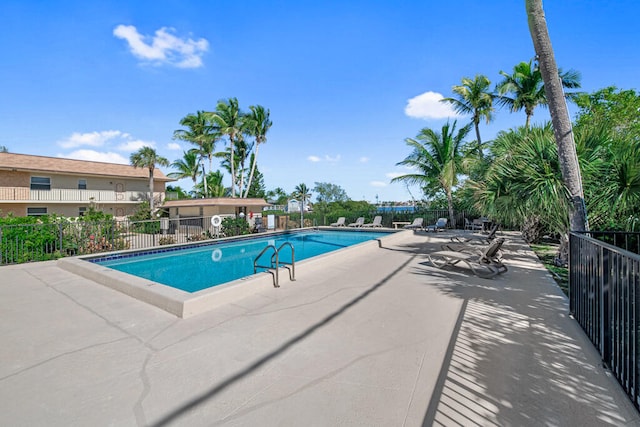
{"x": 276, "y": 263}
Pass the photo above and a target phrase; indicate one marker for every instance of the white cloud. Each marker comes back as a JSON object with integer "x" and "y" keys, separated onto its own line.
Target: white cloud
{"x": 326, "y": 158}
{"x": 92, "y": 139}
{"x": 428, "y": 106}
{"x": 173, "y": 146}
{"x": 378, "y": 184}
{"x": 363, "y": 159}
{"x": 110, "y": 139}
{"x": 164, "y": 47}
{"x": 96, "y": 156}
{"x": 135, "y": 145}
{"x": 110, "y": 143}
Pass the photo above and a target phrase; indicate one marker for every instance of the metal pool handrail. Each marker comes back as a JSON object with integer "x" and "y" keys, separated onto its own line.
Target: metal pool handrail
{"x": 275, "y": 263}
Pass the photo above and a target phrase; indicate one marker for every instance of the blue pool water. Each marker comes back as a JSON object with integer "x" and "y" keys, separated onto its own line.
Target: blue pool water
{"x": 195, "y": 268}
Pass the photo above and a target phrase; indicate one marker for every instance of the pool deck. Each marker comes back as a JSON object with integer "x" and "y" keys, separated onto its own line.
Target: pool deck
{"x": 370, "y": 336}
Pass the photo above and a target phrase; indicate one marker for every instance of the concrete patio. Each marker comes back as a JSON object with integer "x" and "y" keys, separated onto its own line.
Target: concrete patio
{"x": 369, "y": 336}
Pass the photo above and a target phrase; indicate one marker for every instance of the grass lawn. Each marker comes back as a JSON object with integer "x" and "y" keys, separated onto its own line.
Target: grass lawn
{"x": 547, "y": 252}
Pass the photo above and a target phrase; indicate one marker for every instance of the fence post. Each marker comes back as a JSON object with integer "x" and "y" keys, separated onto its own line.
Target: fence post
{"x": 605, "y": 321}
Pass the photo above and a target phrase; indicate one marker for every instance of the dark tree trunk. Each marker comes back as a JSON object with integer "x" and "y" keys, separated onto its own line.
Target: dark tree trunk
{"x": 559, "y": 114}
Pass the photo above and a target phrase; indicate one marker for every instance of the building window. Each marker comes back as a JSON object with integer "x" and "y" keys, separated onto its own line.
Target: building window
{"x": 82, "y": 210}
{"x": 40, "y": 183}
{"x": 82, "y": 184}
{"x": 36, "y": 211}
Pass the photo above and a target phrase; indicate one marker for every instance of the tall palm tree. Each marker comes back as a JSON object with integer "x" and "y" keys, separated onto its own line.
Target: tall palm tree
{"x": 187, "y": 167}
{"x": 146, "y": 157}
{"x": 303, "y": 193}
{"x": 474, "y": 97}
{"x": 554, "y": 80}
{"x": 526, "y": 88}
{"x": 437, "y": 160}
{"x": 200, "y": 132}
{"x": 257, "y": 125}
{"x": 228, "y": 119}
{"x": 242, "y": 152}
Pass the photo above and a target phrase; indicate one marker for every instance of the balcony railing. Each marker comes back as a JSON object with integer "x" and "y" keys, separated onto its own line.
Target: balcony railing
{"x": 72, "y": 195}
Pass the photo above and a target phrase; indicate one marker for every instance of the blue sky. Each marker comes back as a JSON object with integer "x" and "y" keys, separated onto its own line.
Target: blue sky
{"x": 346, "y": 81}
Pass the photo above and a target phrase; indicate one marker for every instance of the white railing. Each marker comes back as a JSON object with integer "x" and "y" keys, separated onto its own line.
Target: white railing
{"x": 72, "y": 195}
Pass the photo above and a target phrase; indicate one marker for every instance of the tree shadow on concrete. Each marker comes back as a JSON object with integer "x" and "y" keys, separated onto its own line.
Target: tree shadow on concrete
{"x": 176, "y": 413}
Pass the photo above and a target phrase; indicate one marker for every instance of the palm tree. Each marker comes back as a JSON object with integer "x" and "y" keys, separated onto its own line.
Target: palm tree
{"x": 228, "y": 119}
{"x": 257, "y": 125}
{"x": 554, "y": 80}
{"x": 214, "y": 186}
{"x": 3, "y": 149}
{"x": 527, "y": 89}
{"x": 239, "y": 160}
{"x": 277, "y": 196}
{"x": 146, "y": 157}
{"x": 437, "y": 159}
{"x": 474, "y": 97}
{"x": 303, "y": 193}
{"x": 187, "y": 167}
{"x": 199, "y": 132}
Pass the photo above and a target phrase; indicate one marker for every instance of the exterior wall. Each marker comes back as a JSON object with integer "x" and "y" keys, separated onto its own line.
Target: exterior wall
{"x": 113, "y": 195}
{"x": 14, "y": 209}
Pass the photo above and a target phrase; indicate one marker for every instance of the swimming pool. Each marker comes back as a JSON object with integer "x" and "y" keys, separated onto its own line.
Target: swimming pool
{"x": 211, "y": 254}
{"x": 192, "y": 269}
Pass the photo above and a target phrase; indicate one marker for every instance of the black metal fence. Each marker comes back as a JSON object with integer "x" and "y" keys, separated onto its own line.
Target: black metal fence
{"x": 46, "y": 241}
{"x": 604, "y": 298}
{"x": 627, "y": 240}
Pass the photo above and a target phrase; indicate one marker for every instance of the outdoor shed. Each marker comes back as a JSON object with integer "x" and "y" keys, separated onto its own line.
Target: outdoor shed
{"x": 222, "y": 206}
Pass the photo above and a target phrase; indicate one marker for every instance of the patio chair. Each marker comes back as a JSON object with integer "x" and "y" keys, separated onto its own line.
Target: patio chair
{"x": 440, "y": 225}
{"x": 377, "y": 222}
{"x": 478, "y": 238}
{"x": 484, "y": 263}
{"x": 339, "y": 222}
{"x": 473, "y": 226}
{"x": 416, "y": 224}
{"x": 359, "y": 222}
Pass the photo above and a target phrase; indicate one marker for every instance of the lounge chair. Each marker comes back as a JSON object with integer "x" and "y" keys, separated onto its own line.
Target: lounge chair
{"x": 416, "y": 224}
{"x": 339, "y": 222}
{"x": 478, "y": 238}
{"x": 359, "y": 222}
{"x": 377, "y": 222}
{"x": 440, "y": 224}
{"x": 484, "y": 263}
{"x": 473, "y": 226}
{"x": 469, "y": 247}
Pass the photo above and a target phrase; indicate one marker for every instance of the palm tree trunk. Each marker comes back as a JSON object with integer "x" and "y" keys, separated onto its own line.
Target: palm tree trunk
{"x": 476, "y": 123}
{"x": 253, "y": 168}
{"x": 151, "y": 190}
{"x": 233, "y": 172}
{"x": 559, "y": 114}
{"x": 452, "y": 218}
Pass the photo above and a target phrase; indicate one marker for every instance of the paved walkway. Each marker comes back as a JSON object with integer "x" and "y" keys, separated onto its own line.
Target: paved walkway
{"x": 365, "y": 337}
